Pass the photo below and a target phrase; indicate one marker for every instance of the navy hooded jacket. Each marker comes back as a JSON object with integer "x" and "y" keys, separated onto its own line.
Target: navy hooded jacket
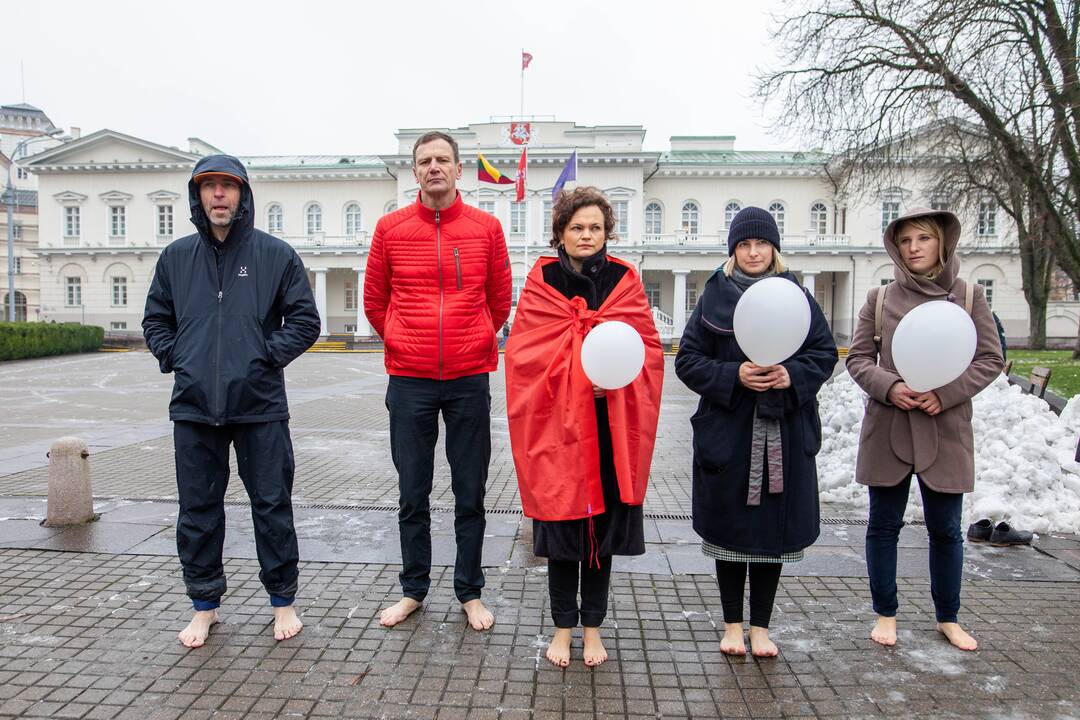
{"x": 226, "y": 318}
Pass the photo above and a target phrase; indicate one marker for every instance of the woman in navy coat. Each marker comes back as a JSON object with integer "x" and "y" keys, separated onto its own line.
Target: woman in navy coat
{"x": 756, "y": 432}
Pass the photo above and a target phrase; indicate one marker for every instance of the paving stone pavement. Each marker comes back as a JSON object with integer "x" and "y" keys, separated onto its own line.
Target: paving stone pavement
{"x": 88, "y": 616}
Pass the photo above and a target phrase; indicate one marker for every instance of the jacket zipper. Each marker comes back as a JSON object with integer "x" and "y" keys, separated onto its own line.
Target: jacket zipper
{"x": 438, "y": 263}
{"x": 457, "y": 267}
{"x": 217, "y": 364}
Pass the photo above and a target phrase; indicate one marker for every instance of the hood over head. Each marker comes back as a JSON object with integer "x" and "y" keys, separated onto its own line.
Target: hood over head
{"x": 943, "y": 281}
{"x": 222, "y": 165}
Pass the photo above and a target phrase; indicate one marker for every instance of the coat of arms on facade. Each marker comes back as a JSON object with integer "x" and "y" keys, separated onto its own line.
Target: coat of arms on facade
{"x": 519, "y": 133}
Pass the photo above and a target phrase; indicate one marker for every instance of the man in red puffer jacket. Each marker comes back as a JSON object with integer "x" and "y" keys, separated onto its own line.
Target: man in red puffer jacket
{"x": 437, "y": 287}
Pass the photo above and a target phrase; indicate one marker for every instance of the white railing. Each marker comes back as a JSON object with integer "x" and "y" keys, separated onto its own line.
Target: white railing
{"x": 164, "y": 239}
{"x": 319, "y": 240}
{"x": 665, "y": 324}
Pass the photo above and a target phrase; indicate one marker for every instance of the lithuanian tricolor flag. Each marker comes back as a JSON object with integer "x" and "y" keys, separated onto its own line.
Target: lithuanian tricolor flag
{"x": 486, "y": 172}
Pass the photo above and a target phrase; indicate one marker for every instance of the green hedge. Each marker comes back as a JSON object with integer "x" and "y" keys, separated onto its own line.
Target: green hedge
{"x": 28, "y": 340}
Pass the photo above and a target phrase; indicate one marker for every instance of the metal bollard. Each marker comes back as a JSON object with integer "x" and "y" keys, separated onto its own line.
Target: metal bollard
{"x": 70, "y": 499}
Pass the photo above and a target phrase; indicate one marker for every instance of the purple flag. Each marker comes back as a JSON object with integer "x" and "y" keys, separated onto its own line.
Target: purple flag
{"x": 568, "y": 173}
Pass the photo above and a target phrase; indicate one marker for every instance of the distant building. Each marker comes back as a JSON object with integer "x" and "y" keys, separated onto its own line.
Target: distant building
{"x": 111, "y": 201}
{"x": 20, "y": 125}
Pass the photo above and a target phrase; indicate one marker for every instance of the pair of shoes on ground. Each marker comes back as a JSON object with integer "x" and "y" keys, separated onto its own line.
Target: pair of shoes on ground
{"x": 1000, "y": 535}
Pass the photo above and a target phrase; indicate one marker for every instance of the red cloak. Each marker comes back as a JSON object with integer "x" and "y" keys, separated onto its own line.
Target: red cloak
{"x": 550, "y": 406}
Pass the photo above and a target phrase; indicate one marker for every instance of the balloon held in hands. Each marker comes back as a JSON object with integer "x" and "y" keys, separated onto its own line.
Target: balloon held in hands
{"x": 933, "y": 345}
{"x": 772, "y": 319}
{"x": 612, "y": 355}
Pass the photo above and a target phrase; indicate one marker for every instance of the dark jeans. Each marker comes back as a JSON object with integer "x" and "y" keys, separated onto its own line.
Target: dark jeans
{"x": 264, "y": 459}
{"x": 563, "y": 591}
{"x": 764, "y": 579}
{"x": 942, "y": 513}
{"x": 414, "y": 405}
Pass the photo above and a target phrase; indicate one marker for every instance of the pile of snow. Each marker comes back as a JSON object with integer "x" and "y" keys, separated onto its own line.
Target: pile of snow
{"x": 1024, "y": 467}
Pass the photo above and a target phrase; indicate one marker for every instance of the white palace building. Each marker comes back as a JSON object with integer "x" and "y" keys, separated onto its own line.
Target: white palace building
{"x": 108, "y": 202}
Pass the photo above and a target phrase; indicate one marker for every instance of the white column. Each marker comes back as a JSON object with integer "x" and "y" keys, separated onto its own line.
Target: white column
{"x": 809, "y": 281}
{"x": 320, "y": 298}
{"x": 678, "y": 310}
{"x": 363, "y": 329}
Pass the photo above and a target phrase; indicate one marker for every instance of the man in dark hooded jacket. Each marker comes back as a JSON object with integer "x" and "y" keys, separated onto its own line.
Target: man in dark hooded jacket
{"x": 228, "y": 309}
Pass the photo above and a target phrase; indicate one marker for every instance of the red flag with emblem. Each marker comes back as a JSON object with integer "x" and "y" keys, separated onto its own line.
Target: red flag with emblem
{"x": 526, "y": 58}
{"x": 521, "y": 175}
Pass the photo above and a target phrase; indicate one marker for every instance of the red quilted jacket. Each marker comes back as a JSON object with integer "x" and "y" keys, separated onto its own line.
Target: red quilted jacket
{"x": 437, "y": 288}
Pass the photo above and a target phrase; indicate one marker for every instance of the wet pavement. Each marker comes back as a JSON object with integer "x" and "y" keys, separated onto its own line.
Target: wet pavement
{"x": 89, "y": 615}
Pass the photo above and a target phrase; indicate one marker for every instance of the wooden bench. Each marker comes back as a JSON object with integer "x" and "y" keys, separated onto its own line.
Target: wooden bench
{"x": 1040, "y": 378}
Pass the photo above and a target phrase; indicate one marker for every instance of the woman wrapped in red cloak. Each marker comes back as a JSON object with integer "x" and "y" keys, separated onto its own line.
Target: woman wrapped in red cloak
{"x": 582, "y": 453}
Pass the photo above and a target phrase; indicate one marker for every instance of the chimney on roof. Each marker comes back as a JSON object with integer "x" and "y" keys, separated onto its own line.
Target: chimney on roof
{"x": 75, "y": 132}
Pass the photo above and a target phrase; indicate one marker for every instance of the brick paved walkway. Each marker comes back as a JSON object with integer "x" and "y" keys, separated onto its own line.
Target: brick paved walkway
{"x": 88, "y": 616}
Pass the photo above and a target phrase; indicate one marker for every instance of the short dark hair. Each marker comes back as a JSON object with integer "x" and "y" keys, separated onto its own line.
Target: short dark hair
{"x": 432, "y": 137}
{"x": 570, "y": 202}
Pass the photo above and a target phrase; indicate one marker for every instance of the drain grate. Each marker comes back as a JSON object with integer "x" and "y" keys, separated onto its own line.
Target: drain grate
{"x": 440, "y": 509}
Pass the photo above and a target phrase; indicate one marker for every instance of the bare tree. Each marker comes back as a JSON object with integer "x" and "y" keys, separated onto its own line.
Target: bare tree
{"x": 861, "y": 76}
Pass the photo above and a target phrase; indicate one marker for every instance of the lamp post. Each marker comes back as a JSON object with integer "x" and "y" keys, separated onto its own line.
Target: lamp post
{"x": 9, "y": 193}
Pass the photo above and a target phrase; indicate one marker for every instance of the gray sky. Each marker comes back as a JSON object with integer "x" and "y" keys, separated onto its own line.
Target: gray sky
{"x": 333, "y": 77}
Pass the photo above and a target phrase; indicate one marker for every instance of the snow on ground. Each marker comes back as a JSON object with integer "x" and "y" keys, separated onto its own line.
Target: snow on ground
{"x": 1024, "y": 467}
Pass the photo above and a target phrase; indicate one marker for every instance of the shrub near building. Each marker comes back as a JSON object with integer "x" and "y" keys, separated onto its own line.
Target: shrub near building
{"x": 28, "y": 340}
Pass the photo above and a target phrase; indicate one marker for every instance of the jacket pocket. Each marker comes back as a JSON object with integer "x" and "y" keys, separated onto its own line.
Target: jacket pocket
{"x": 812, "y": 431}
{"x": 712, "y": 449}
{"x": 457, "y": 267}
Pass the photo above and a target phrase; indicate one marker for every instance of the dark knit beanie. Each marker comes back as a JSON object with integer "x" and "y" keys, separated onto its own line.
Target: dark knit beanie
{"x": 752, "y": 223}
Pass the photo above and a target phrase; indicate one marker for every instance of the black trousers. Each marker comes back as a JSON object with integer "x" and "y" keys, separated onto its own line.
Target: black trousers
{"x": 414, "y": 405}
{"x": 264, "y": 459}
{"x": 764, "y": 579}
{"x": 563, "y": 591}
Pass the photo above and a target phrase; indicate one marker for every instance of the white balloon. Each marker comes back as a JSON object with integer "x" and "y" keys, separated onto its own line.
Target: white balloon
{"x": 772, "y": 319}
{"x": 612, "y": 355}
{"x": 933, "y": 345}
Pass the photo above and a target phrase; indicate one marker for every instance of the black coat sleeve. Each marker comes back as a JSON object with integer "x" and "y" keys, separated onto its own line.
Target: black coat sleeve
{"x": 814, "y": 363}
{"x": 159, "y": 316}
{"x": 714, "y": 379}
{"x": 300, "y": 325}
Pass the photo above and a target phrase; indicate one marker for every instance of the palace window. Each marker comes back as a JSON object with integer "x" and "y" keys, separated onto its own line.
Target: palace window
{"x": 275, "y": 219}
{"x": 654, "y": 219}
{"x": 987, "y": 224}
{"x": 776, "y": 209}
{"x": 730, "y": 211}
{"x": 352, "y": 220}
{"x": 119, "y": 291}
{"x": 72, "y": 221}
{"x": 819, "y": 218}
{"x": 313, "y": 219}
{"x": 73, "y": 286}
{"x": 117, "y": 221}
{"x": 690, "y": 216}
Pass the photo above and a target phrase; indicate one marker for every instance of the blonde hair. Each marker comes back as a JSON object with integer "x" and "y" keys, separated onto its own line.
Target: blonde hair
{"x": 778, "y": 265}
{"x": 933, "y": 228}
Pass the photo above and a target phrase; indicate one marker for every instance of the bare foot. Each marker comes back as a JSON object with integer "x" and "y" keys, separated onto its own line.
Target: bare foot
{"x": 397, "y": 612}
{"x": 760, "y": 644}
{"x": 732, "y": 642}
{"x": 480, "y": 618}
{"x": 286, "y": 623}
{"x": 195, "y": 634}
{"x": 884, "y": 632}
{"x": 558, "y": 652}
{"x": 595, "y": 653}
{"x": 957, "y": 636}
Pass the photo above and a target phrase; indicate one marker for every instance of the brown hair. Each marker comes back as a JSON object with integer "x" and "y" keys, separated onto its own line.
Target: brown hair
{"x": 931, "y": 226}
{"x": 570, "y": 202}
{"x": 432, "y": 137}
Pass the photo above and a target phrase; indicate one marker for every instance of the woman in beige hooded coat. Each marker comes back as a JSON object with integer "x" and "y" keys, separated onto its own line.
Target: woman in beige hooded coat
{"x": 926, "y": 434}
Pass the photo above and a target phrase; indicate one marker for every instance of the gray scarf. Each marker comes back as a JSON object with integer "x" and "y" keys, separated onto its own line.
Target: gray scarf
{"x": 765, "y": 443}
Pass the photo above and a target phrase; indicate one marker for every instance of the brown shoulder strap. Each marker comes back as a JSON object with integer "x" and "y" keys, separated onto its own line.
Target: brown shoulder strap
{"x": 879, "y": 305}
